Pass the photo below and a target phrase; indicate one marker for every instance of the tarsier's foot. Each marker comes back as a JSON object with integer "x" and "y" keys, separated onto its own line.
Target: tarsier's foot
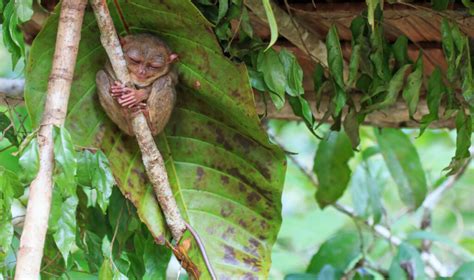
{"x": 127, "y": 97}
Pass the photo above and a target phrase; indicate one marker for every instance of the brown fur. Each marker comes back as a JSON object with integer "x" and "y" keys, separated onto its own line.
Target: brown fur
{"x": 152, "y": 73}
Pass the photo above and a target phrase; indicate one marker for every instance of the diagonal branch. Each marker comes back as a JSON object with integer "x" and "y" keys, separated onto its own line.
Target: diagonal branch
{"x": 151, "y": 156}
{"x": 41, "y": 189}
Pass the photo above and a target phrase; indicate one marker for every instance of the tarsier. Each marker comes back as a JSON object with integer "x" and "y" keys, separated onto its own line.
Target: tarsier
{"x": 149, "y": 61}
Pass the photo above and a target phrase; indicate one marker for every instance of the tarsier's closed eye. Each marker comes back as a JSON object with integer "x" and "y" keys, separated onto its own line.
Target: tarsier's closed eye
{"x": 134, "y": 56}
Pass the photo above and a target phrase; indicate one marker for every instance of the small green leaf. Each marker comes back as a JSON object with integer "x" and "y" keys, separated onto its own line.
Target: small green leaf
{"x": 24, "y": 9}
{"x": 371, "y": 5}
{"x": 29, "y": 162}
{"x": 301, "y": 276}
{"x": 66, "y": 162}
{"x": 335, "y": 58}
{"x": 7, "y": 130}
{"x": 331, "y": 167}
{"x": 404, "y": 165}
{"x": 354, "y": 65}
{"x": 394, "y": 87}
{"x": 400, "y": 50}
{"x": 351, "y": 126}
{"x": 271, "y": 22}
{"x": 448, "y": 48}
{"x": 274, "y": 75}
{"x": 12, "y": 35}
{"x": 102, "y": 180}
{"x": 223, "y": 8}
{"x": 340, "y": 252}
{"x": 411, "y": 93}
{"x": 294, "y": 73}
{"x": 65, "y": 236}
{"x": 463, "y": 142}
{"x": 436, "y": 89}
{"x": 302, "y": 109}
{"x": 465, "y": 272}
{"x": 408, "y": 259}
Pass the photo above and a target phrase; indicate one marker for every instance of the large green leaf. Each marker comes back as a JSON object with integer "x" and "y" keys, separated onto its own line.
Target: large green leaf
{"x": 331, "y": 167}
{"x": 225, "y": 175}
{"x": 404, "y": 165}
{"x": 465, "y": 272}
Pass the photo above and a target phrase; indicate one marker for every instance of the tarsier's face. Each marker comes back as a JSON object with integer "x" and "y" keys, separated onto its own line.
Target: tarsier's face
{"x": 147, "y": 58}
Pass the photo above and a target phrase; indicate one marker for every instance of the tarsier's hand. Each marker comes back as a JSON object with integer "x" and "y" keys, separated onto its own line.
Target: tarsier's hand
{"x": 127, "y": 97}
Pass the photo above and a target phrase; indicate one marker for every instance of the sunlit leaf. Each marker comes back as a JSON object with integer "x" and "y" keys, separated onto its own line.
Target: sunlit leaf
{"x": 24, "y": 9}
{"x": 65, "y": 161}
{"x": 371, "y": 5}
{"x": 271, "y": 22}
{"x": 29, "y": 162}
{"x": 65, "y": 236}
{"x": 223, "y": 8}
{"x": 102, "y": 180}
{"x": 404, "y": 165}
{"x": 331, "y": 167}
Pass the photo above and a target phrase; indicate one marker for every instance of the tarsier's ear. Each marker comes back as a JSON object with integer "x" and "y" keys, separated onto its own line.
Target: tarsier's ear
{"x": 173, "y": 57}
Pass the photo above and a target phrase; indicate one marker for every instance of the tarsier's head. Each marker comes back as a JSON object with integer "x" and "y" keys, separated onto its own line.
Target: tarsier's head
{"x": 147, "y": 57}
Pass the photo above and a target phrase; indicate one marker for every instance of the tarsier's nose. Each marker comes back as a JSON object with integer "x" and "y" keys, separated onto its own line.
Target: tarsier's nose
{"x": 141, "y": 70}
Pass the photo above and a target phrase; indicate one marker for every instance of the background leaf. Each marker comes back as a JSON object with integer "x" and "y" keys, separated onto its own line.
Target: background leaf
{"x": 407, "y": 264}
{"x": 338, "y": 252}
{"x": 404, "y": 165}
{"x": 331, "y": 167}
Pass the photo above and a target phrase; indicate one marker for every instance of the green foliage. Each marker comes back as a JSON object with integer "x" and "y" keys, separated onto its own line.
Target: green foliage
{"x": 407, "y": 264}
{"x": 336, "y": 255}
{"x": 335, "y": 62}
{"x": 404, "y": 165}
{"x": 14, "y": 13}
{"x": 331, "y": 167}
{"x": 271, "y": 22}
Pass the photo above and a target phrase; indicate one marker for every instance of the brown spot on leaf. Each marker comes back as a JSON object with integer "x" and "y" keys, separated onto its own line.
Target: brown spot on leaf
{"x": 197, "y": 84}
{"x": 229, "y": 255}
{"x": 253, "y": 197}
{"x": 226, "y": 211}
{"x": 199, "y": 173}
{"x": 224, "y": 180}
{"x": 254, "y": 263}
{"x": 220, "y": 137}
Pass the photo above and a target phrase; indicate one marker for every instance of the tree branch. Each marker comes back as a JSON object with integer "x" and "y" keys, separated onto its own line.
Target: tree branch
{"x": 152, "y": 159}
{"x": 59, "y": 85}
